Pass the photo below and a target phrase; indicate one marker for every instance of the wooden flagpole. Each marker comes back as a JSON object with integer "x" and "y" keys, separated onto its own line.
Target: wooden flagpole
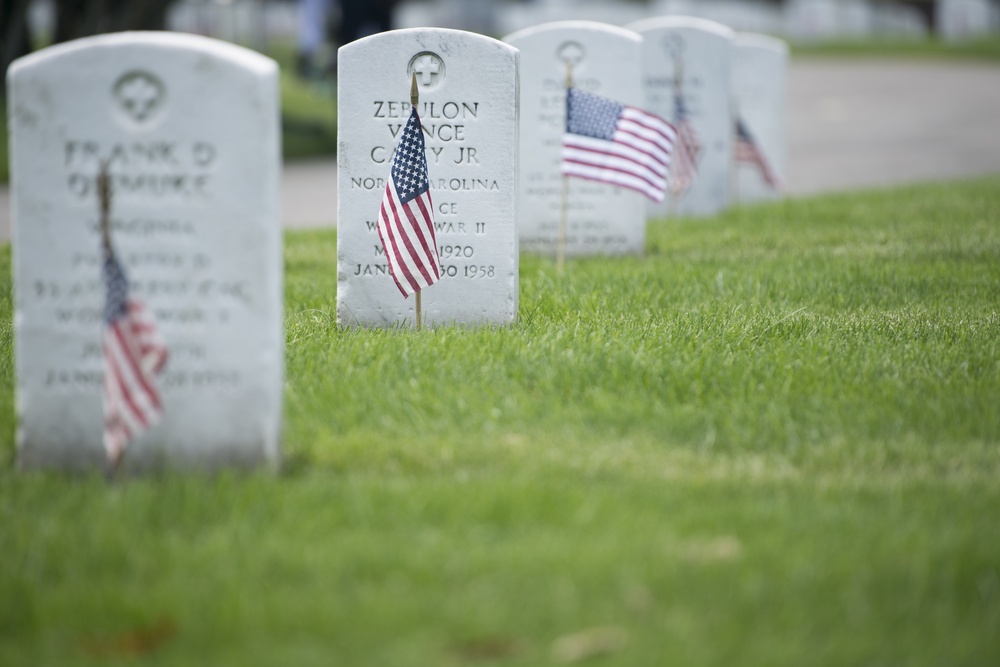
{"x": 104, "y": 198}
{"x": 734, "y": 163}
{"x": 563, "y": 214}
{"x": 678, "y": 74}
{"x": 414, "y": 99}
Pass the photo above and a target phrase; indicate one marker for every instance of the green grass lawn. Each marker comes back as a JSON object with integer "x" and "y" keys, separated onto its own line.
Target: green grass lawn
{"x": 308, "y": 110}
{"x": 985, "y": 48}
{"x": 773, "y": 440}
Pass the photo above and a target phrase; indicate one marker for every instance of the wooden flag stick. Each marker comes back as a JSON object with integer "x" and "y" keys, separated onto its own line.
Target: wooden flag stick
{"x": 414, "y": 99}
{"x": 104, "y": 198}
{"x": 678, "y": 75}
{"x": 734, "y": 163}
{"x": 563, "y": 209}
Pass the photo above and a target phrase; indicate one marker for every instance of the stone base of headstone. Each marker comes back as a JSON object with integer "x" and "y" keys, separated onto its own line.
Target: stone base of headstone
{"x": 760, "y": 99}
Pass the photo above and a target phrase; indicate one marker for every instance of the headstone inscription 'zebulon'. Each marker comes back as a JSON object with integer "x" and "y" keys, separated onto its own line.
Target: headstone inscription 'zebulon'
{"x": 605, "y": 60}
{"x": 760, "y": 101}
{"x": 700, "y": 51}
{"x": 468, "y": 106}
{"x": 189, "y": 128}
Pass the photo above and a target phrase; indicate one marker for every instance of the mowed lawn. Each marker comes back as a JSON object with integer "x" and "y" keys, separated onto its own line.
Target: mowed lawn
{"x": 773, "y": 440}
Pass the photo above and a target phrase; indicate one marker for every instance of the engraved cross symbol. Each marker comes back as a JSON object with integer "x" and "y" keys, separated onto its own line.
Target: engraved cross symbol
{"x": 426, "y": 67}
{"x": 571, "y": 53}
{"x": 139, "y": 95}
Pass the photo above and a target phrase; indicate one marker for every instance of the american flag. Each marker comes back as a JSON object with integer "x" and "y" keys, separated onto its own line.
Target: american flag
{"x": 614, "y": 143}
{"x": 749, "y": 152}
{"x": 406, "y": 218}
{"x": 685, "y": 167}
{"x": 134, "y": 352}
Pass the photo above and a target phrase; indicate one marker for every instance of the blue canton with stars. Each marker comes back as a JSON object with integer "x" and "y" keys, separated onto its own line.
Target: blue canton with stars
{"x": 116, "y": 289}
{"x": 680, "y": 109}
{"x": 742, "y": 132}
{"x": 591, "y": 115}
{"x": 409, "y": 165}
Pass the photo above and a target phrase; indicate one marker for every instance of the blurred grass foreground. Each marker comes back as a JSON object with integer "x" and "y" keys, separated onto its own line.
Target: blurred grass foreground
{"x": 772, "y": 440}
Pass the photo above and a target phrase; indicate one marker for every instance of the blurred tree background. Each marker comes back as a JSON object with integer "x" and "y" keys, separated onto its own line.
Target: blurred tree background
{"x": 309, "y": 119}
{"x": 76, "y": 18}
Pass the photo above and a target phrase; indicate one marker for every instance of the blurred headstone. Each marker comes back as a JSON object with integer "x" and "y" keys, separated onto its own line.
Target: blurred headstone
{"x": 760, "y": 102}
{"x": 811, "y": 19}
{"x": 605, "y": 60}
{"x": 513, "y": 16}
{"x": 700, "y": 52}
{"x": 189, "y": 128}
{"x": 965, "y": 19}
{"x": 751, "y": 15}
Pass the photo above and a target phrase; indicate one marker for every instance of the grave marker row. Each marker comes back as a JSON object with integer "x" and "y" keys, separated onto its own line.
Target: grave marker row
{"x": 759, "y": 93}
{"x": 699, "y": 52}
{"x": 189, "y": 129}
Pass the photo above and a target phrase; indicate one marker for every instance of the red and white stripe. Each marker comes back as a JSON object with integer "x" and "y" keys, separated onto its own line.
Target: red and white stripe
{"x": 407, "y": 235}
{"x": 749, "y": 153}
{"x": 685, "y": 166}
{"x": 637, "y": 156}
{"x": 134, "y": 352}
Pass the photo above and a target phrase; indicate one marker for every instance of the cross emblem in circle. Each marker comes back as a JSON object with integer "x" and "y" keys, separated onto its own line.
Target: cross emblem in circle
{"x": 571, "y": 53}
{"x": 139, "y": 94}
{"x": 426, "y": 68}
{"x": 673, "y": 45}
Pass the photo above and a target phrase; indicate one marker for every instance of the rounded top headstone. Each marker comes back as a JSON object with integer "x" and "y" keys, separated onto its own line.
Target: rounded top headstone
{"x": 185, "y": 132}
{"x": 467, "y": 88}
{"x": 762, "y": 41}
{"x": 573, "y": 25}
{"x": 688, "y": 22}
{"x": 240, "y": 55}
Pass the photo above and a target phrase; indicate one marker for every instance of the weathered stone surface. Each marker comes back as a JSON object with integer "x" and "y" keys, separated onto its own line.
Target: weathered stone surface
{"x": 189, "y": 127}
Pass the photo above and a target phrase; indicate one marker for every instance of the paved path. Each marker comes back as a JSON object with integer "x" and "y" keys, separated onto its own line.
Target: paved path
{"x": 862, "y": 124}
{"x": 852, "y": 124}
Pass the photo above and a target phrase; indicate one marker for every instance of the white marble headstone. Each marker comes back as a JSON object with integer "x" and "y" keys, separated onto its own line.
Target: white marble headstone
{"x": 760, "y": 98}
{"x": 190, "y": 128}
{"x": 895, "y": 18}
{"x": 606, "y": 60}
{"x": 468, "y": 106}
{"x": 702, "y": 51}
{"x": 964, "y": 19}
{"x": 812, "y": 19}
{"x": 516, "y": 16}
{"x": 751, "y": 15}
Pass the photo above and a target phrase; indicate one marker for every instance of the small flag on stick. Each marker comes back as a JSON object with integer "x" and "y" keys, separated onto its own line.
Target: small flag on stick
{"x": 134, "y": 351}
{"x": 406, "y": 218}
{"x": 748, "y": 152}
{"x": 685, "y": 164}
{"x": 614, "y": 143}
